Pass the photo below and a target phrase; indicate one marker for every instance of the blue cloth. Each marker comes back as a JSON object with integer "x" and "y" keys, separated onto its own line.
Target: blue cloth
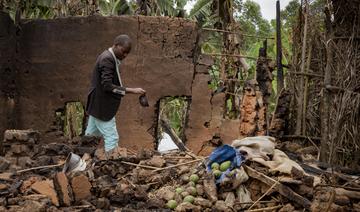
{"x": 222, "y": 154}
{"x": 106, "y": 129}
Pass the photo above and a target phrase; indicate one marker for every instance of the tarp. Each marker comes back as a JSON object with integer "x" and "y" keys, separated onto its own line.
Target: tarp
{"x": 222, "y": 154}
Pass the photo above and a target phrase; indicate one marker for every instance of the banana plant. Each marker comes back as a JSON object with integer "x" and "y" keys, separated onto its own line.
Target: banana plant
{"x": 115, "y": 7}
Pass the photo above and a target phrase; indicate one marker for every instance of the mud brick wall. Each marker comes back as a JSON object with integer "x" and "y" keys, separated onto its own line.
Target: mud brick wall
{"x": 7, "y": 71}
{"x": 55, "y": 59}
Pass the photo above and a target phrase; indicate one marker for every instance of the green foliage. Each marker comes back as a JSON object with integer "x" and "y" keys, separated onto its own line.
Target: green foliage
{"x": 201, "y": 11}
{"x": 115, "y": 7}
{"x": 45, "y": 9}
{"x": 172, "y": 8}
{"x": 174, "y": 109}
{"x": 41, "y": 9}
{"x": 252, "y": 23}
{"x": 289, "y": 14}
{"x": 215, "y": 76}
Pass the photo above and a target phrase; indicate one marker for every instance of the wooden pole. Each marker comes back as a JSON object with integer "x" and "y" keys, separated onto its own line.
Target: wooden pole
{"x": 325, "y": 110}
{"x": 306, "y": 89}
{"x": 279, "y": 187}
{"x": 231, "y": 55}
{"x": 280, "y": 74}
{"x": 232, "y": 32}
{"x": 299, "y": 112}
{"x": 167, "y": 128}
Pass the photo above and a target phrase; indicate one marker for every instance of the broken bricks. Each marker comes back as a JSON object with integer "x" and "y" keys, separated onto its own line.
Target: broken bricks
{"x": 116, "y": 184}
{"x": 63, "y": 188}
{"x": 81, "y": 187}
{"x": 4, "y": 164}
{"x": 19, "y": 146}
{"x": 46, "y": 187}
{"x": 21, "y": 135}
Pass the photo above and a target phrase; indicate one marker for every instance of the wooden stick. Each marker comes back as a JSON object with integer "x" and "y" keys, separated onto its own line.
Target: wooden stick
{"x": 313, "y": 143}
{"x": 260, "y": 202}
{"x": 231, "y": 55}
{"x": 279, "y": 54}
{"x": 299, "y": 111}
{"x": 262, "y": 196}
{"x": 138, "y": 165}
{"x": 339, "y": 89}
{"x": 306, "y": 88}
{"x": 282, "y": 189}
{"x": 310, "y": 74}
{"x": 191, "y": 154}
{"x": 325, "y": 151}
{"x": 174, "y": 157}
{"x": 232, "y": 32}
{"x": 338, "y": 186}
{"x": 167, "y": 128}
{"x": 180, "y": 164}
{"x": 300, "y": 136}
{"x": 39, "y": 167}
{"x": 233, "y": 94}
{"x": 265, "y": 209}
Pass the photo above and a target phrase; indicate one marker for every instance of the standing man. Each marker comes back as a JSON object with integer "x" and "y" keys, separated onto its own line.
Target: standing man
{"x": 106, "y": 91}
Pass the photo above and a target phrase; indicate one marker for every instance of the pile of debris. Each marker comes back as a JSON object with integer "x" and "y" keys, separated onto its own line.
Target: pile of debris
{"x": 266, "y": 181}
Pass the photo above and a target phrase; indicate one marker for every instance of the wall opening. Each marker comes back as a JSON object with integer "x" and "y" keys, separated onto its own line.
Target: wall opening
{"x": 174, "y": 111}
{"x": 70, "y": 119}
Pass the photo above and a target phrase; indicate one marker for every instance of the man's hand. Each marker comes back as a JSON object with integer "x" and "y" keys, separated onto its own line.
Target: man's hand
{"x": 135, "y": 90}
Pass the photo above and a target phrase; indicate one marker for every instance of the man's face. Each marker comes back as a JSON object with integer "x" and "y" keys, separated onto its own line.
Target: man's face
{"x": 121, "y": 51}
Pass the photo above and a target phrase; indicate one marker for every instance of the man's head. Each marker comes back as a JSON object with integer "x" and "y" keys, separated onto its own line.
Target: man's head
{"x": 122, "y": 46}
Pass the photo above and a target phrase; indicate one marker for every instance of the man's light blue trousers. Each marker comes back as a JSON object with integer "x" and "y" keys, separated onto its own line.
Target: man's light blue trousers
{"x": 106, "y": 129}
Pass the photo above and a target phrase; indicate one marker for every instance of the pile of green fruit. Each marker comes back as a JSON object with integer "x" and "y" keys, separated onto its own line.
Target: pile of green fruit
{"x": 187, "y": 193}
{"x": 218, "y": 169}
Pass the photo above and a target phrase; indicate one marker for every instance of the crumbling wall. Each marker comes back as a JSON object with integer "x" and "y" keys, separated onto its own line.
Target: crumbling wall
{"x": 7, "y": 72}
{"x": 206, "y": 123}
{"x": 55, "y": 60}
{"x": 57, "y": 57}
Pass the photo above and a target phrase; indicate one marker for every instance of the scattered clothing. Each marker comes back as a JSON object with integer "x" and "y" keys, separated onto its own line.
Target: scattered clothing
{"x": 261, "y": 149}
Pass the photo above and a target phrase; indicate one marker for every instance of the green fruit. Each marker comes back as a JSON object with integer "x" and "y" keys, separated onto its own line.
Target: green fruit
{"x": 225, "y": 165}
{"x": 215, "y": 166}
{"x": 217, "y": 173}
{"x": 189, "y": 199}
{"x": 179, "y": 190}
{"x": 171, "y": 204}
{"x": 194, "y": 178}
{"x": 191, "y": 190}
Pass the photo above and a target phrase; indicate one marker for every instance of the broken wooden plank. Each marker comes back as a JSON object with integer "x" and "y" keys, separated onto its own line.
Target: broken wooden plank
{"x": 167, "y": 128}
{"x": 177, "y": 165}
{"x": 272, "y": 208}
{"x": 282, "y": 189}
{"x": 139, "y": 165}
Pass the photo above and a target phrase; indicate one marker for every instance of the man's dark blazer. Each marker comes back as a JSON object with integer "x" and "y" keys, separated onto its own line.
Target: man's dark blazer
{"x": 102, "y": 102}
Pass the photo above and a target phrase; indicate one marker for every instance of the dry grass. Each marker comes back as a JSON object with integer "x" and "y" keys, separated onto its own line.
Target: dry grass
{"x": 344, "y": 115}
